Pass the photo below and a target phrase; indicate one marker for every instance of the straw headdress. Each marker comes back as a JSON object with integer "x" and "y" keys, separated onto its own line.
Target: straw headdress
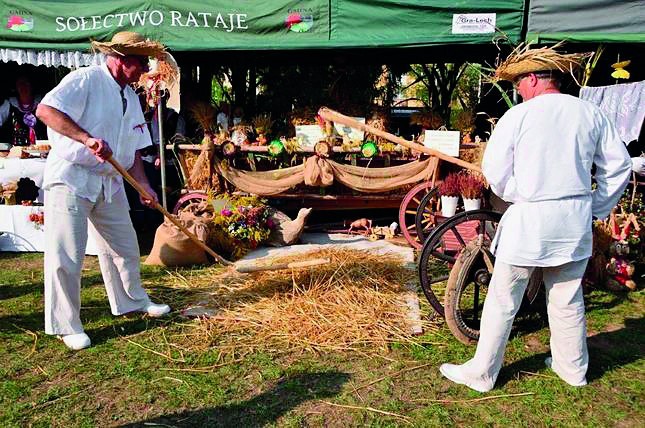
{"x": 130, "y": 43}
{"x": 524, "y": 60}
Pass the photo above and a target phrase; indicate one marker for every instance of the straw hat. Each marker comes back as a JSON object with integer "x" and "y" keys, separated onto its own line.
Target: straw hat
{"x": 130, "y": 43}
{"x": 525, "y": 60}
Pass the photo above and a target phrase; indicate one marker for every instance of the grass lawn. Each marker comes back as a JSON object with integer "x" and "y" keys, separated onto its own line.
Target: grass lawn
{"x": 136, "y": 375}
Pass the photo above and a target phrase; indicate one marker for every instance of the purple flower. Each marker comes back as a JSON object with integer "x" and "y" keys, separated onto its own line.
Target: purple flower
{"x": 270, "y": 223}
{"x": 29, "y": 119}
{"x": 226, "y": 212}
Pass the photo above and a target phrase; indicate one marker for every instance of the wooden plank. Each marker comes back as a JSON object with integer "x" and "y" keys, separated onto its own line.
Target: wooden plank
{"x": 411, "y": 299}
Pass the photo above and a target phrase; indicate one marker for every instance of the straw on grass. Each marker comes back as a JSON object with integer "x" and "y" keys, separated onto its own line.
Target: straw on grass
{"x": 352, "y": 304}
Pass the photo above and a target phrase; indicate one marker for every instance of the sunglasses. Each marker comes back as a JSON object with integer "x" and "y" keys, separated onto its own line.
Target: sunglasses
{"x": 517, "y": 81}
{"x": 142, "y": 60}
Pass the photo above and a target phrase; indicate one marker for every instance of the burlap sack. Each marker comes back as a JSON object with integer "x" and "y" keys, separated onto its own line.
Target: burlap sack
{"x": 173, "y": 248}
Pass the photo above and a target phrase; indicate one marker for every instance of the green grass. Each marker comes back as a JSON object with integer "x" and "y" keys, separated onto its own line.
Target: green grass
{"x": 116, "y": 382}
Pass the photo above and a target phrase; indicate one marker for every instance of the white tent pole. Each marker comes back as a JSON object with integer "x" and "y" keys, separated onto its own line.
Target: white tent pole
{"x": 162, "y": 153}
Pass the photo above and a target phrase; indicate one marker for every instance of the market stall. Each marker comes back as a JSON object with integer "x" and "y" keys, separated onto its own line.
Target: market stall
{"x": 38, "y": 29}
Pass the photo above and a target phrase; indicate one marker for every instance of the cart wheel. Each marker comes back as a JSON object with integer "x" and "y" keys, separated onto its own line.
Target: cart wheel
{"x": 425, "y": 218}
{"x": 442, "y": 248}
{"x": 467, "y": 288}
{"x": 189, "y": 198}
{"x": 408, "y": 212}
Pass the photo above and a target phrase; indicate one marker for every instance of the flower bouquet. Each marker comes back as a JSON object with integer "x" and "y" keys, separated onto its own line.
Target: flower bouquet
{"x": 449, "y": 191}
{"x": 241, "y": 224}
{"x": 472, "y": 190}
{"x": 37, "y": 218}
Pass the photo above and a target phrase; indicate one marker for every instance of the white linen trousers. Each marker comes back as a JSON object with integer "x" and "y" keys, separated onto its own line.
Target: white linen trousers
{"x": 66, "y": 229}
{"x": 566, "y": 309}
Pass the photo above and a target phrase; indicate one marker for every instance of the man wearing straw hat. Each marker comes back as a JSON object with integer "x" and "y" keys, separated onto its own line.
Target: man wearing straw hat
{"x": 91, "y": 115}
{"x": 539, "y": 157}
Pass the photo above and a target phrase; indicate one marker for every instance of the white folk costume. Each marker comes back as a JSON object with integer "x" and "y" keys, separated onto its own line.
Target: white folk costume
{"x": 80, "y": 188}
{"x": 539, "y": 157}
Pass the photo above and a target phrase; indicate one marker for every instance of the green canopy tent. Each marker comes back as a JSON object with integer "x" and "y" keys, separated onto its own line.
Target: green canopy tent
{"x": 619, "y": 25}
{"x": 594, "y": 21}
{"x": 59, "y": 31}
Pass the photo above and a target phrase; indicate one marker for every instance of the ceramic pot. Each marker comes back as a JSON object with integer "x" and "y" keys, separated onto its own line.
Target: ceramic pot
{"x": 472, "y": 204}
{"x": 449, "y": 205}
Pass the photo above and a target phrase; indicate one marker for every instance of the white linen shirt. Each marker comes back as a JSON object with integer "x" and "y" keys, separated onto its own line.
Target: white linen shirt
{"x": 539, "y": 157}
{"x": 92, "y": 98}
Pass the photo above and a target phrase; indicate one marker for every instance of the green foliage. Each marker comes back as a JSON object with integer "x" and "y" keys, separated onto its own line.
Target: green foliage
{"x": 219, "y": 93}
{"x": 438, "y": 83}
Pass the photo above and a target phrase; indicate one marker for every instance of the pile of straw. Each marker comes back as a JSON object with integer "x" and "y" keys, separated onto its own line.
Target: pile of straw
{"x": 352, "y": 304}
{"x": 203, "y": 114}
{"x": 200, "y": 178}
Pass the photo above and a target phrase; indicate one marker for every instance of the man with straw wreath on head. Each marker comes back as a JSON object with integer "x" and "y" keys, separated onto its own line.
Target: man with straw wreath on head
{"x": 539, "y": 157}
{"x": 91, "y": 115}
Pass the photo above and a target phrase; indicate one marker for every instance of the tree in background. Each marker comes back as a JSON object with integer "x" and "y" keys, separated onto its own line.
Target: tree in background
{"x": 435, "y": 86}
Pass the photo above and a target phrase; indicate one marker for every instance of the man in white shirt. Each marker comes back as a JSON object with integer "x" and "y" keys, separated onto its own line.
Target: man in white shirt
{"x": 539, "y": 158}
{"x": 91, "y": 115}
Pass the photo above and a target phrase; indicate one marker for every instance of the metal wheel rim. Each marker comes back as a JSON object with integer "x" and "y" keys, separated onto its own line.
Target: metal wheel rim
{"x": 430, "y": 246}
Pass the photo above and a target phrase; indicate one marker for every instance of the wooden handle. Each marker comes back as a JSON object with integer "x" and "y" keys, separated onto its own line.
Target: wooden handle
{"x": 157, "y": 206}
{"x": 336, "y": 117}
{"x": 279, "y": 266}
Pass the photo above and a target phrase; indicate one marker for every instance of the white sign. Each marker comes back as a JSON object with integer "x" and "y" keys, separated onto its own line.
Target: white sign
{"x": 444, "y": 141}
{"x": 473, "y": 23}
{"x": 308, "y": 135}
{"x": 354, "y": 134}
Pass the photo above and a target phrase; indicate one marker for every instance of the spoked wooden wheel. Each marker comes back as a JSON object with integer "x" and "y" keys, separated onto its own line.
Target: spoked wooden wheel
{"x": 442, "y": 248}
{"x": 465, "y": 293}
{"x": 408, "y": 212}
{"x": 425, "y": 219}
{"x": 189, "y": 198}
{"x": 467, "y": 288}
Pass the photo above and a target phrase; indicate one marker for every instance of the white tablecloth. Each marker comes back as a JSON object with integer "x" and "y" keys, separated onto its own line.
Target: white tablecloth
{"x": 18, "y": 234}
{"x": 13, "y": 169}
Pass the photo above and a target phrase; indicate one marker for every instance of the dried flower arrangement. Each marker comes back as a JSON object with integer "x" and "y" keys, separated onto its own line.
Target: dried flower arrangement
{"x": 471, "y": 186}
{"x": 379, "y": 120}
{"x": 262, "y": 124}
{"x": 242, "y": 223}
{"x": 203, "y": 114}
{"x": 290, "y": 144}
{"x": 450, "y": 185}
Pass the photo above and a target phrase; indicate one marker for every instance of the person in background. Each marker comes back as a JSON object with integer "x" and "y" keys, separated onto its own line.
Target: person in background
{"x": 222, "y": 117}
{"x": 173, "y": 125}
{"x": 238, "y": 116}
{"x": 539, "y": 157}
{"x": 93, "y": 114}
{"x": 19, "y": 124}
